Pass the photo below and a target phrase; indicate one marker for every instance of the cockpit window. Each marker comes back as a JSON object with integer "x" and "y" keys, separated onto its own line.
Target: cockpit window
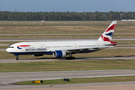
{"x": 11, "y": 46}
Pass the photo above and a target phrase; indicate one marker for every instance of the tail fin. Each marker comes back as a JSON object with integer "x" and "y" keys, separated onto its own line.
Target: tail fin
{"x": 108, "y": 34}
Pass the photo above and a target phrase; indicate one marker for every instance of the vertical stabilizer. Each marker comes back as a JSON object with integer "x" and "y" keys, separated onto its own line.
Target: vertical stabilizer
{"x": 108, "y": 34}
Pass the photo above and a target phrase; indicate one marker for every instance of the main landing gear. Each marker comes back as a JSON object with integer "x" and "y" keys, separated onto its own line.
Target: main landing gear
{"x": 70, "y": 57}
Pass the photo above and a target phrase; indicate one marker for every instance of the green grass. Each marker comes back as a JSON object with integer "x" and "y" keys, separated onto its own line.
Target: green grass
{"x": 9, "y": 42}
{"x": 120, "y": 42}
{"x": 3, "y": 47}
{"x": 108, "y": 53}
{"x": 125, "y": 42}
{"x": 57, "y": 36}
{"x": 81, "y": 80}
{"x": 55, "y": 23}
{"x": 123, "y": 29}
{"x": 46, "y": 36}
{"x": 68, "y": 65}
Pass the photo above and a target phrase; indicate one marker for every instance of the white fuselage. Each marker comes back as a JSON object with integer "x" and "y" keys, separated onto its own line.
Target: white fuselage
{"x": 51, "y": 46}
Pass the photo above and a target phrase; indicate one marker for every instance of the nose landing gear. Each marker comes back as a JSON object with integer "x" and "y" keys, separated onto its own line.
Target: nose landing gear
{"x": 17, "y": 58}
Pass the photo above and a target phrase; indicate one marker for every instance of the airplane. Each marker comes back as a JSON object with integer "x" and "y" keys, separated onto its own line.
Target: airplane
{"x": 60, "y": 49}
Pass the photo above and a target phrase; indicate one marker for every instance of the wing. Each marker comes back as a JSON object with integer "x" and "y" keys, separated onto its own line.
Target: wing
{"x": 78, "y": 49}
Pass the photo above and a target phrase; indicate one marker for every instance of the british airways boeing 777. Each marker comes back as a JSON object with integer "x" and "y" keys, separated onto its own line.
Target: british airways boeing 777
{"x": 60, "y": 49}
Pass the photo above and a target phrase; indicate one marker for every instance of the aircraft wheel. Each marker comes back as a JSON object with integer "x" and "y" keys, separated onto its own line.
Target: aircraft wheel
{"x": 17, "y": 58}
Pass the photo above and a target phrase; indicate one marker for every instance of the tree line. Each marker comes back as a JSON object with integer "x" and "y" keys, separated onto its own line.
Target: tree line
{"x": 65, "y": 16}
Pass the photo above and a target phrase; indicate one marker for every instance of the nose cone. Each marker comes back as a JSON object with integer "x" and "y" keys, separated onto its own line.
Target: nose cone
{"x": 7, "y": 50}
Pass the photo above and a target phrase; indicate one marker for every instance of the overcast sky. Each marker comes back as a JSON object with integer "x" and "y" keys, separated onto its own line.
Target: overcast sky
{"x": 67, "y": 5}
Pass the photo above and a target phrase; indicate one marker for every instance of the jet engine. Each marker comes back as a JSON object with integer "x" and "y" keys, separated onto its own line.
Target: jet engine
{"x": 59, "y": 54}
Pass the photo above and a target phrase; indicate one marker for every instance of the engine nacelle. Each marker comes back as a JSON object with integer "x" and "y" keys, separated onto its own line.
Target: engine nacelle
{"x": 59, "y": 54}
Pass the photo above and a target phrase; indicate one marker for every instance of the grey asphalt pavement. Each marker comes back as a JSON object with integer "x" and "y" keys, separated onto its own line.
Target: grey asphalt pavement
{"x": 12, "y": 77}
